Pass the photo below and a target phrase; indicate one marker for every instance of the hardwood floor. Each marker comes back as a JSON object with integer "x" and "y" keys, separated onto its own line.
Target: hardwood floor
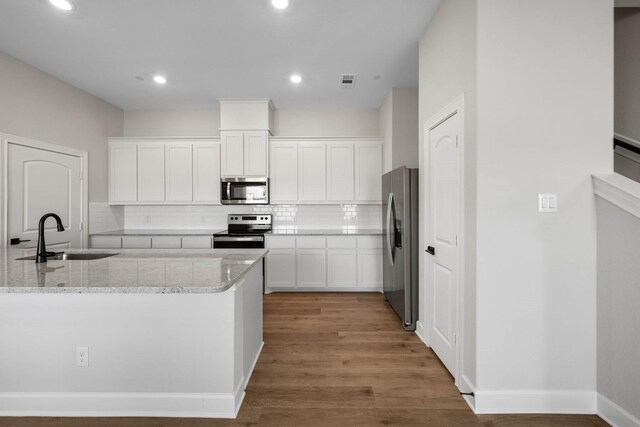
{"x": 339, "y": 360}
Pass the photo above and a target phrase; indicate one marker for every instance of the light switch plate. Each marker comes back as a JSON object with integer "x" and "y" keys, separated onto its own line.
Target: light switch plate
{"x": 547, "y": 202}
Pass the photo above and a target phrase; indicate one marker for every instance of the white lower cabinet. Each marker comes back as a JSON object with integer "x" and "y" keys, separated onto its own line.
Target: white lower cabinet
{"x": 311, "y": 266}
{"x": 151, "y": 242}
{"x": 136, "y": 242}
{"x": 281, "y": 268}
{"x": 370, "y": 268}
{"x": 324, "y": 263}
{"x": 197, "y": 242}
{"x": 341, "y": 268}
{"x": 106, "y": 242}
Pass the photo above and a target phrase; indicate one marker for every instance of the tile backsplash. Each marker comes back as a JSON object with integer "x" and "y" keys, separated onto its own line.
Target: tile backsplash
{"x": 103, "y": 217}
{"x": 284, "y": 216}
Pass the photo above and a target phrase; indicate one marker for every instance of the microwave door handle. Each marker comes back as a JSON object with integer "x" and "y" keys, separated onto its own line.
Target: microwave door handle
{"x": 228, "y": 191}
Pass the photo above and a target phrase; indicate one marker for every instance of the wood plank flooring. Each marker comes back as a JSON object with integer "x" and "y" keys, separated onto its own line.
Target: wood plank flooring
{"x": 339, "y": 360}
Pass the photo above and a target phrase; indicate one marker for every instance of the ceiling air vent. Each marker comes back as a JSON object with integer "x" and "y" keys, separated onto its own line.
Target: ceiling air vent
{"x": 348, "y": 81}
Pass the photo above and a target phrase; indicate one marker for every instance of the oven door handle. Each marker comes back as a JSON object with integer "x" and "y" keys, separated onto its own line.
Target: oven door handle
{"x": 239, "y": 239}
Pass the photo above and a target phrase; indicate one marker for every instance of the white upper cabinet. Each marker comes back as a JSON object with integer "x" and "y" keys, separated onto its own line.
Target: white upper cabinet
{"x": 206, "y": 172}
{"x": 326, "y": 170}
{"x": 340, "y": 172}
{"x": 123, "y": 172}
{"x": 312, "y": 171}
{"x": 283, "y": 171}
{"x": 232, "y": 153}
{"x": 245, "y": 153}
{"x": 151, "y": 172}
{"x": 176, "y": 171}
{"x": 179, "y": 171}
{"x": 256, "y": 153}
{"x": 368, "y": 172}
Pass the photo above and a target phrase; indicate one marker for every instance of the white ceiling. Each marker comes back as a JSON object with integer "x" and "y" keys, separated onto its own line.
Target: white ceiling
{"x": 211, "y": 49}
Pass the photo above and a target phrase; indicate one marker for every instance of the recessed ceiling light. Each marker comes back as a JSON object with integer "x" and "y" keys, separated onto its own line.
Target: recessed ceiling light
{"x": 280, "y": 4}
{"x": 62, "y": 4}
{"x": 160, "y": 79}
{"x": 295, "y": 78}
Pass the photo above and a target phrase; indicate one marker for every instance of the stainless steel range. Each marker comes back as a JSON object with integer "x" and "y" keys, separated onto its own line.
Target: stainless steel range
{"x": 244, "y": 231}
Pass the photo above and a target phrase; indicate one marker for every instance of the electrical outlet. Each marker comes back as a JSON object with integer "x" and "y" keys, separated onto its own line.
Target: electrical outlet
{"x": 82, "y": 356}
{"x": 547, "y": 203}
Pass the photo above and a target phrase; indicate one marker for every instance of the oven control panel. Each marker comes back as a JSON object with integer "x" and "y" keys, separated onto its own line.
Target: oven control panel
{"x": 259, "y": 219}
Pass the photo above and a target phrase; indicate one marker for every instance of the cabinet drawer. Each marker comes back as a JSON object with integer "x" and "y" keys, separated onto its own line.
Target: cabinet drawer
{"x": 106, "y": 242}
{"x": 165, "y": 242}
{"x": 310, "y": 242}
{"x": 136, "y": 242}
{"x": 196, "y": 242}
{"x": 370, "y": 242}
{"x": 281, "y": 242}
{"x": 341, "y": 242}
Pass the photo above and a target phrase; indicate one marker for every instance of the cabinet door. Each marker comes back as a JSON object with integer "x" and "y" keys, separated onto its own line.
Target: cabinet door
{"x": 179, "y": 171}
{"x": 123, "y": 172}
{"x": 166, "y": 242}
{"x": 368, "y": 171}
{"x": 312, "y": 267}
{"x": 255, "y": 153}
{"x": 284, "y": 172}
{"x": 136, "y": 242}
{"x": 232, "y": 153}
{"x": 197, "y": 242}
{"x": 281, "y": 268}
{"x": 341, "y": 268}
{"x": 206, "y": 172}
{"x": 340, "y": 171}
{"x": 106, "y": 242}
{"x": 151, "y": 172}
{"x": 370, "y": 268}
{"x": 312, "y": 172}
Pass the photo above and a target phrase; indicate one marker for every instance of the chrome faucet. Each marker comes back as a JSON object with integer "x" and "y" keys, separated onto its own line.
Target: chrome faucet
{"x": 41, "y": 253}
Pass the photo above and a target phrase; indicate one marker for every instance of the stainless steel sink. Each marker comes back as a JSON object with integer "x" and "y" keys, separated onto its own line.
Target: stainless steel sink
{"x": 71, "y": 257}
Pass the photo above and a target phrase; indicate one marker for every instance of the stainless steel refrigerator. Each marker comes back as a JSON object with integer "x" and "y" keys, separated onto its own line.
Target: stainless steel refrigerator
{"x": 400, "y": 242}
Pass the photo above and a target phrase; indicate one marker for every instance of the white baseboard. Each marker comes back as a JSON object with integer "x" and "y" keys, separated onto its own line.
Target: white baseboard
{"x": 420, "y": 332}
{"x": 614, "y": 414}
{"x": 535, "y": 402}
{"x": 200, "y": 405}
{"x": 323, "y": 289}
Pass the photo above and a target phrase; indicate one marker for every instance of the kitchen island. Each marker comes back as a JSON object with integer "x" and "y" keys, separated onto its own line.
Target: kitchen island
{"x": 168, "y": 333}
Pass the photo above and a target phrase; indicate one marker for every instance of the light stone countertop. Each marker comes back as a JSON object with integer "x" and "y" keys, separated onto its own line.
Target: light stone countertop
{"x": 148, "y": 271}
{"x": 160, "y": 232}
{"x": 284, "y": 231}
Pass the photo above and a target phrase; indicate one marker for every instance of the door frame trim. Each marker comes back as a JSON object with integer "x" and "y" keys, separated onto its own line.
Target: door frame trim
{"x": 456, "y": 106}
{"x": 5, "y": 140}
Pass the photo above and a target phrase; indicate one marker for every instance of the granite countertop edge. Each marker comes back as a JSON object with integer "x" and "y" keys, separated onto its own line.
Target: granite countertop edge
{"x": 150, "y": 290}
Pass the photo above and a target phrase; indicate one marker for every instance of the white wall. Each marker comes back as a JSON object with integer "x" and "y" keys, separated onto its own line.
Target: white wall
{"x": 398, "y": 125}
{"x": 627, "y": 73}
{"x": 447, "y": 70}
{"x": 405, "y": 128}
{"x": 36, "y": 105}
{"x": 545, "y": 103}
{"x": 385, "y": 129}
{"x": 172, "y": 123}
{"x": 618, "y": 301}
{"x": 353, "y": 122}
{"x": 356, "y": 122}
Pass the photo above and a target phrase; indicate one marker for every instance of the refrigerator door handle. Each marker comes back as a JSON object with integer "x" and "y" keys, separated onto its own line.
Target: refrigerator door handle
{"x": 391, "y": 227}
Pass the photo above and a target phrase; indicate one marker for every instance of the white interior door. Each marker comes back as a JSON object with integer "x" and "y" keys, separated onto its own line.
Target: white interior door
{"x": 442, "y": 265}
{"x": 39, "y": 182}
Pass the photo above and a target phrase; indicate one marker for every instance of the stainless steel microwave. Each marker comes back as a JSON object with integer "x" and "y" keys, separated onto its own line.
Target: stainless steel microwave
{"x": 244, "y": 191}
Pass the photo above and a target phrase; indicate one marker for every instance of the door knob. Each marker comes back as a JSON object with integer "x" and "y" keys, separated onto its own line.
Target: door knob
{"x": 431, "y": 250}
{"x": 17, "y": 241}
